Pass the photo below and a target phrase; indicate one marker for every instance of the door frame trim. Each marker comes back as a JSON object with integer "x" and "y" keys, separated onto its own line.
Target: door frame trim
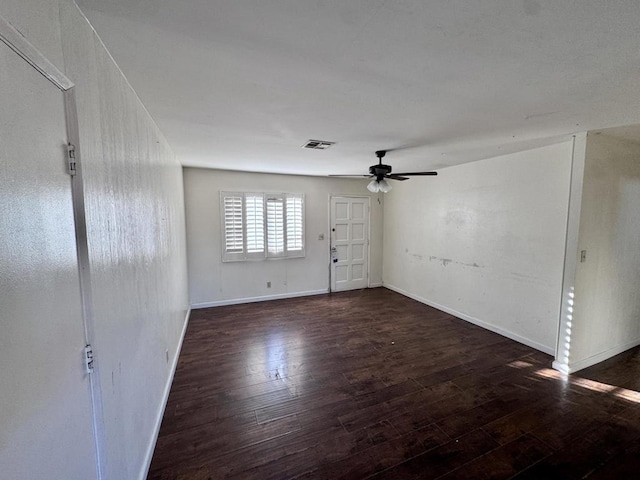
{"x": 86, "y": 292}
{"x": 368, "y": 197}
{"x": 19, "y": 44}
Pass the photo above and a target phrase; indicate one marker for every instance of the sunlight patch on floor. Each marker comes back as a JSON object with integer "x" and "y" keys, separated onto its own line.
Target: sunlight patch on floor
{"x": 520, "y": 364}
{"x": 593, "y": 385}
{"x": 550, "y": 373}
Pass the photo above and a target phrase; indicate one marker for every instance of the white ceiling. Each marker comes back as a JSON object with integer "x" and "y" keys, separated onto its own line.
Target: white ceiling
{"x": 243, "y": 84}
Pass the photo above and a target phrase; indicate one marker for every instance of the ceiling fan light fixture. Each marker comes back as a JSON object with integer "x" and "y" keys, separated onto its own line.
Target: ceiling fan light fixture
{"x": 373, "y": 186}
{"x": 384, "y": 186}
{"x": 380, "y": 172}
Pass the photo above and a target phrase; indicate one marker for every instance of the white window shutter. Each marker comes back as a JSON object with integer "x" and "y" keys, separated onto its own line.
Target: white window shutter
{"x": 295, "y": 225}
{"x": 259, "y": 225}
{"x": 275, "y": 226}
{"x": 254, "y": 214}
{"x": 233, "y": 225}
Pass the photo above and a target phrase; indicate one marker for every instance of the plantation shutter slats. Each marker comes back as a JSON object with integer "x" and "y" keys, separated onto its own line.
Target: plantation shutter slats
{"x": 294, "y": 224}
{"x": 254, "y": 208}
{"x": 275, "y": 226}
{"x": 233, "y": 224}
{"x": 258, "y": 225}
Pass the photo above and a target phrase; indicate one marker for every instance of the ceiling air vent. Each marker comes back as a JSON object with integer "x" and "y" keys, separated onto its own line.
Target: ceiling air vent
{"x": 318, "y": 144}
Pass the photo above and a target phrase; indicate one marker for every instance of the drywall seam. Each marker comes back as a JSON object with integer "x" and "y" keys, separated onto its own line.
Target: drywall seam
{"x": 600, "y": 357}
{"x": 165, "y": 397}
{"x": 481, "y": 323}
{"x": 236, "y": 301}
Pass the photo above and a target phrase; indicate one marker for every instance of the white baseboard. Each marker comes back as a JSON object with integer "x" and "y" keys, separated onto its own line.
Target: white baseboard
{"x": 600, "y": 357}
{"x": 165, "y": 394}
{"x": 475, "y": 321}
{"x": 375, "y": 285}
{"x": 236, "y": 301}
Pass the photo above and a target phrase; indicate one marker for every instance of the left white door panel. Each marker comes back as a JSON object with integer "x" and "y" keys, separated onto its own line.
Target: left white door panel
{"x": 46, "y": 428}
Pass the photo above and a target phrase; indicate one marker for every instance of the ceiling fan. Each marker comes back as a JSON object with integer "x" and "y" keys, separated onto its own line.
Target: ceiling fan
{"x": 381, "y": 172}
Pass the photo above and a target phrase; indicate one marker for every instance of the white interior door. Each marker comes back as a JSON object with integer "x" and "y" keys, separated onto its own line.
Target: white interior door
{"x": 46, "y": 424}
{"x": 349, "y": 243}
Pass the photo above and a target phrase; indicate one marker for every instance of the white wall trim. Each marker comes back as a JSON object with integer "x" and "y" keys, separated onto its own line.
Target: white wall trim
{"x": 375, "y": 285}
{"x": 19, "y": 44}
{"x": 576, "y": 181}
{"x": 84, "y": 274}
{"x": 165, "y": 397}
{"x": 236, "y": 301}
{"x": 475, "y": 321}
{"x": 600, "y": 357}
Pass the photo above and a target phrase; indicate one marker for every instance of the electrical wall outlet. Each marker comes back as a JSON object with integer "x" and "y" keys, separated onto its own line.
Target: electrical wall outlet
{"x": 268, "y": 284}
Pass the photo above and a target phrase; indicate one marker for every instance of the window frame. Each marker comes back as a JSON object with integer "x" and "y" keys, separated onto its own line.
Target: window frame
{"x": 265, "y": 254}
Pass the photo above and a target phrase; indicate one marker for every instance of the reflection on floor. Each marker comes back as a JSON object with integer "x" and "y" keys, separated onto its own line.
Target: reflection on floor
{"x": 371, "y": 383}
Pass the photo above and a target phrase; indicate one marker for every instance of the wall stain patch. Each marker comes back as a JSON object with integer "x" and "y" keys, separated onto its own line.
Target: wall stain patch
{"x": 447, "y": 261}
{"x": 443, "y": 261}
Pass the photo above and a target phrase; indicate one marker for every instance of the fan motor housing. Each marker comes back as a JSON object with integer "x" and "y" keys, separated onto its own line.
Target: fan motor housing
{"x": 380, "y": 169}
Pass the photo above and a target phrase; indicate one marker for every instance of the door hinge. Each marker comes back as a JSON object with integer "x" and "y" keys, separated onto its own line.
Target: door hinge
{"x": 88, "y": 359}
{"x": 71, "y": 157}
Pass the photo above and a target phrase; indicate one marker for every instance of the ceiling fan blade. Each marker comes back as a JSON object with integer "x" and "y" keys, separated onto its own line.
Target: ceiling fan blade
{"x": 417, "y": 173}
{"x": 395, "y": 176}
{"x": 350, "y": 175}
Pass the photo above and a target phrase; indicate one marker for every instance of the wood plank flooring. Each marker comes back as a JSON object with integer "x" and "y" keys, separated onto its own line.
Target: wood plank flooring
{"x": 372, "y": 384}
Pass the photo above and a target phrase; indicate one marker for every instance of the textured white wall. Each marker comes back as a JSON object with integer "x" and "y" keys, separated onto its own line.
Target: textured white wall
{"x": 212, "y": 281}
{"x": 136, "y": 232}
{"x": 485, "y": 241}
{"x": 606, "y": 316}
{"x": 137, "y": 248}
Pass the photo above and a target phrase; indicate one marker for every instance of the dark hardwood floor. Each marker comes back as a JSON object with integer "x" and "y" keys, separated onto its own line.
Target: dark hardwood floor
{"x": 372, "y": 384}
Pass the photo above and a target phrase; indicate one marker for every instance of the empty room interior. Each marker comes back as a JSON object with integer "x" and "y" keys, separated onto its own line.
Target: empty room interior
{"x": 319, "y": 240}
